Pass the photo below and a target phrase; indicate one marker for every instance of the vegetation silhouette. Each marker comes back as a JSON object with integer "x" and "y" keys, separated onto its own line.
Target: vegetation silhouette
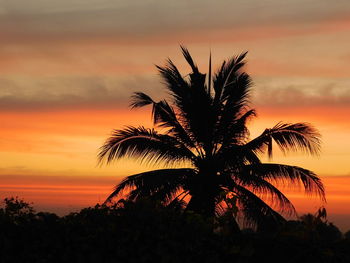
{"x": 205, "y": 128}
{"x": 148, "y": 231}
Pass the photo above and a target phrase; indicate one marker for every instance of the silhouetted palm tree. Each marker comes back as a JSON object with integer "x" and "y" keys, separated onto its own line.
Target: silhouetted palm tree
{"x": 205, "y": 128}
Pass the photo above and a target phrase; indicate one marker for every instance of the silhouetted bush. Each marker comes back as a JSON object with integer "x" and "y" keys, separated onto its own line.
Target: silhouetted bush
{"x": 145, "y": 231}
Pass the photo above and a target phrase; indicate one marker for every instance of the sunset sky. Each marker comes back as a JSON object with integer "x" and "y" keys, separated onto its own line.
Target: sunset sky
{"x": 68, "y": 68}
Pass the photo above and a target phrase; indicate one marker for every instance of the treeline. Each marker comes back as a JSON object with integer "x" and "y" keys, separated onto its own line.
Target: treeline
{"x": 149, "y": 232}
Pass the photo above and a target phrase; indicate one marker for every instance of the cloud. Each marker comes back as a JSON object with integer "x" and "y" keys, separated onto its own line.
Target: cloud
{"x": 101, "y": 92}
{"x": 52, "y": 20}
{"x": 302, "y": 92}
{"x": 67, "y": 92}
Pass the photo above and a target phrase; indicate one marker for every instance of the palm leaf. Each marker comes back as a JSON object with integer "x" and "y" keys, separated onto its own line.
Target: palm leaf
{"x": 162, "y": 184}
{"x": 234, "y": 130}
{"x": 228, "y": 71}
{"x": 163, "y": 116}
{"x": 287, "y": 175}
{"x": 289, "y": 137}
{"x": 209, "y": 75}
{"x": 267, "y": 191}
{"x": 145, "y": 144}
{"x": 174, "y": 82}
{"x": 140, "y": 99}
{"x": 255, "y": 210}
{"x": 189, "y": 59}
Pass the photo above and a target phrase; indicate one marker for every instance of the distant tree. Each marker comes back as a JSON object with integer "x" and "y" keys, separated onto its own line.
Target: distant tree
{"x": 317, "y": 227}
{"x": 17, "y": 210}
{"x": 14, "y": 206}
{"x": 204, "y": 127}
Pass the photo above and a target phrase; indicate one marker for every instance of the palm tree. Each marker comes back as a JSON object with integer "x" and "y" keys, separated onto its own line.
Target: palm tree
{"x": 204, "y": 129}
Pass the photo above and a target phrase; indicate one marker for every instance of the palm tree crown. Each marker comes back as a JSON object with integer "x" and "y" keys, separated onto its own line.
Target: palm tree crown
{"x": 204, "y": 126}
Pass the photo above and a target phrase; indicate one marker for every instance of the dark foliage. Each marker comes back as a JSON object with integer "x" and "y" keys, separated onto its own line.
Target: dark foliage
{"x": 145, "y": 231}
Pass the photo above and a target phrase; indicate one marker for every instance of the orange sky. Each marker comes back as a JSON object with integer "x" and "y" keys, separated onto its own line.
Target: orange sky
{"x": 67, "y": 71}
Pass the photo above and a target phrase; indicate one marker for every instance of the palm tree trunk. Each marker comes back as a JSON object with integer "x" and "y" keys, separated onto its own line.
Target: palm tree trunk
{"x": 204, "y": 192}
{"x": 202, "y": 204}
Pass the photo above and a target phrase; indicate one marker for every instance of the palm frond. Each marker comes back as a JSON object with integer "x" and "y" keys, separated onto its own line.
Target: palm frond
{"x": 189, "y": 103}
{"x": 236, "y": 92}
{"x": 209, "y": 75}
{"x": 289, "y": 137}
{"x": 162, "y": 184}
{"x": 234, "y": 130}
{"x": 266, "y": 191}
{"x": 197, "y": 79}
{"x": 174, "y": 82}
{"x": 164, "y": 116}
{"x": 228, "y": 72}
{"x": 254, "y": 209}
{"x": 192, "y": 101}
{"x": 233, "y": 110}
{"x": 232, "y": 66}
{"x": 145, "y": 144}
{"x": 140, "y": 99}
{"x": 242, "y": 120}
{"x": 189, "y": 59}
{"x": 287, "y": 175}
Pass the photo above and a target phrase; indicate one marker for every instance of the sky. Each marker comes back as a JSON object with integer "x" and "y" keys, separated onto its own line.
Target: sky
{"x": 68, "y": 68}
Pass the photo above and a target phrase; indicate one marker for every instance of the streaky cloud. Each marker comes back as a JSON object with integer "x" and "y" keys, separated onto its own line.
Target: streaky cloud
{"x": 20, "y": 19}
{"x": 71, "y": 92}
{"x": 301, "y": 92}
